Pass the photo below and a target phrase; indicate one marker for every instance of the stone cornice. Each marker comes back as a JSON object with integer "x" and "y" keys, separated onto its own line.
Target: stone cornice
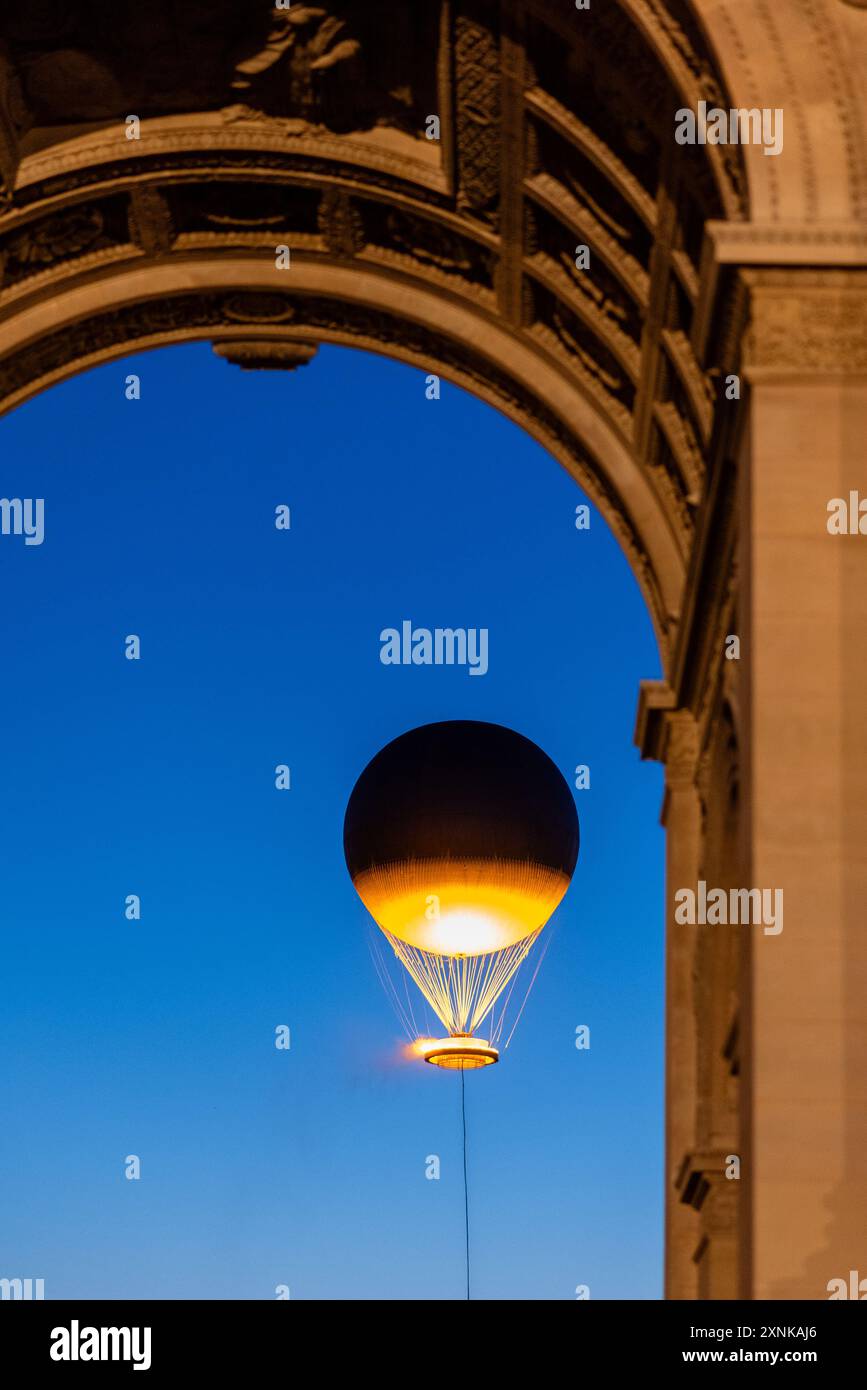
{"x": 786, "y": 243}
{"x": 666, "y": 734}
{"x": 214, "y": 133}
{"x": 655, "y": 701}
{"x": 699, "y": 1173}
{"x": 731, "y": 245}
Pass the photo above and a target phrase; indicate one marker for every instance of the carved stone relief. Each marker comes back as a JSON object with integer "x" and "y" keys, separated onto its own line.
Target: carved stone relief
{"x": 477, "y": 114}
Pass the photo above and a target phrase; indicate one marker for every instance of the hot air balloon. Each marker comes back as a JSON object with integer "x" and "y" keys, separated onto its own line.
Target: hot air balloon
{"x": 461, "y": 839}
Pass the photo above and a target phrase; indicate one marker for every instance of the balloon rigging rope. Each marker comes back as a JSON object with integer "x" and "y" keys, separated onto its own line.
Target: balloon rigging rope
{"x": 542, "y": 955}
{"x": 409, "y": 1003}
{"x": 388, "y": 985}
{"x": 462, "y": 990}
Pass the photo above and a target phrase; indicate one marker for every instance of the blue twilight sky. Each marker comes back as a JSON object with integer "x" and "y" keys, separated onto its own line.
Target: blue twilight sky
{"x": 262, "y": 1167}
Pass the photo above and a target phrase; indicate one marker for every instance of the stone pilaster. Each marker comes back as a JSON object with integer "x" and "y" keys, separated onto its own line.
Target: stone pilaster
{"x": 670, "y": 735}
{"x": 804, "y": 650}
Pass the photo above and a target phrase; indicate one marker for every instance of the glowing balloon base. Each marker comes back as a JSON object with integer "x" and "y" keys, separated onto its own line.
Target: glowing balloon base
{"x": 460, "y": 1052}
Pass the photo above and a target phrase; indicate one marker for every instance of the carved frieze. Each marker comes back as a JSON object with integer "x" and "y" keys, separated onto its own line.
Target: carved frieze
{"x": 150, "y": 220}
{"x": 806, "y": 321}
{"x": 477, "y": 112}
{"x": 212, "y": 157}
{"x": 251, "y": 306}
{"x": 341, "y": 222}
{"x": 244, "y": 206}
{"x": 591, "y": 361}
{"x": 585, "y": 228}
{"x": 61, "y": 237}
{"x": 603, "y": 295}
{"x": 337, "y": 63}
{"x": 433, "y": 244}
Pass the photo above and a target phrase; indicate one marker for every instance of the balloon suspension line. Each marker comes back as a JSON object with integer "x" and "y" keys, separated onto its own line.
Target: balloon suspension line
{"x": 466, "y": 1189}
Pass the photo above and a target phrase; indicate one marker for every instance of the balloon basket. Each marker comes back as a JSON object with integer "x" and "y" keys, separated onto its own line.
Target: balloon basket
{"x": 460, "y": 1052}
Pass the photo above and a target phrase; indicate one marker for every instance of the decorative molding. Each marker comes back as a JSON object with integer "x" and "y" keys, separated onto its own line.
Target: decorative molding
{"x": 693, "y": 379}
{"x": 681, "y": 749}
{"x": 547, "y": 108}
{"x": 699, "y": 1173}
{"x": 477, "y": 116}
{"x": 150, "y": 220}
{"x": 774, "y": 244}
{"x": 557, "y": 200}
{"x": 694, "y": 73}
{"x": 264, "y": 354}
{"x": 203, "y": 142}
{"x": 341, "y": 223}
{"x": 684, "y": 449}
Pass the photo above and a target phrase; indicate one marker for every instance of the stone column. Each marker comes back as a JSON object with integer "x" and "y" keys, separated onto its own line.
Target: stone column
{"x": 804, "y": 654}
{"x": 670, "y": 735}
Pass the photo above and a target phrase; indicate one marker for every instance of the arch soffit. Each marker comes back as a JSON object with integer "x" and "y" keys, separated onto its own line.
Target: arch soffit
{"x": 457, "y": 254}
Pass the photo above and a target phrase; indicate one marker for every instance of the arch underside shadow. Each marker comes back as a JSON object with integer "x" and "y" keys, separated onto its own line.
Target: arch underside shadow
{"x": 460, "y": 254}
{"x": 259, "y": 316}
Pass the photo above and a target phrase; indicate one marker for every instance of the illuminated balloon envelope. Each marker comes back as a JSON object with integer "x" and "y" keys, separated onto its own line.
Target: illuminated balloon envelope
{"x": 461, "y": 839}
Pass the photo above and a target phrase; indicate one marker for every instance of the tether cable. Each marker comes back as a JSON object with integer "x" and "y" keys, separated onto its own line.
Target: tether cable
{"x": 466, "y": 1188}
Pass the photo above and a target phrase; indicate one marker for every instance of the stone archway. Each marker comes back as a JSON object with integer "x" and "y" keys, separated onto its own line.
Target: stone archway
{"x": 308, "y": 128}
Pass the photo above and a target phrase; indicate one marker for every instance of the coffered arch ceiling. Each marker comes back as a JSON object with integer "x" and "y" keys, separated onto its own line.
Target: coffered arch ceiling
{"x": 306, "y": 128}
